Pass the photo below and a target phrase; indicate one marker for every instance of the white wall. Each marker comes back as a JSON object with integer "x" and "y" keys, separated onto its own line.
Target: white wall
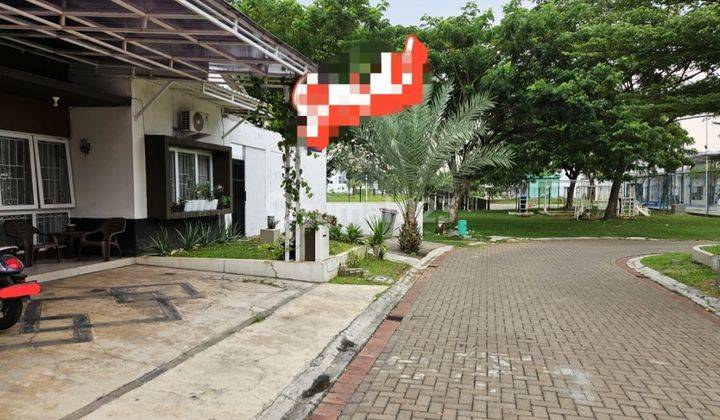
{"x": 358, "y": 213}
{"x": 256, "y": 146}
{"x": 104, "y": 184}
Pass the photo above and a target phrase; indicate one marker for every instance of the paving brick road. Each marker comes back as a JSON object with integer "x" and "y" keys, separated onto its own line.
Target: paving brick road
{"x": 546, "y": 330}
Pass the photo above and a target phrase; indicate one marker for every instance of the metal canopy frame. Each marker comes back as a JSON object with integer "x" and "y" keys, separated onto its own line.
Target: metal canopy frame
{"x": 205, "y": 41}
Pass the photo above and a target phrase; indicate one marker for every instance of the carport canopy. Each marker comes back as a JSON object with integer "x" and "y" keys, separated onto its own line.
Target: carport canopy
{"x": 204, "y": 41}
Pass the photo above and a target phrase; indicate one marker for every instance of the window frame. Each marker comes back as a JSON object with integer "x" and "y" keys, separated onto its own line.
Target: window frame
{"x": 31, "y": 150}
{"x": 195, "y": 153}
{"x": 40, "y": 192}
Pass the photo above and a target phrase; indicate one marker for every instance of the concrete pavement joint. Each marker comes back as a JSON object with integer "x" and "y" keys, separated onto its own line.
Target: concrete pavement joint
{"x": 173, "y": 363}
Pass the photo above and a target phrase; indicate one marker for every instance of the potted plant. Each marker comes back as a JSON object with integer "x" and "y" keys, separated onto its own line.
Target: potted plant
{"x": 204, "y": 192}
{"x": 272, "y": 233}
{"x": 178, "y": 206}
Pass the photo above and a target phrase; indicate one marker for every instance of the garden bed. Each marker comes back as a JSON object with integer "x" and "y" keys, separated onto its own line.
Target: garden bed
{"x": 390, "y": 269}
{"x": 682, "y": 268}
{"x": 706, "y": 254}
{"x": 249, "y": 258}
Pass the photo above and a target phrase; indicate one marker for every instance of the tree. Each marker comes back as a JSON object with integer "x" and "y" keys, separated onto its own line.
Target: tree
{"x": 411, "y": 147}
{"x": 318, "y": 31}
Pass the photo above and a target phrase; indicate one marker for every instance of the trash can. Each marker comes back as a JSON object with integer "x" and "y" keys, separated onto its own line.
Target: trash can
{"x": 462, "y": 228}
{"x": 389, "y": 215}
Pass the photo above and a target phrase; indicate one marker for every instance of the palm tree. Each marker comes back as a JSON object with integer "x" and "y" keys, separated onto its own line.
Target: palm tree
{"x": 411, "y": 147}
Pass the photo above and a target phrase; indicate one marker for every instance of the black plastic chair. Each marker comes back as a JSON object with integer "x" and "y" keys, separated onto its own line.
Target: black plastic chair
{"x": 105, "y": 237}
{"x": 24, "y": 234}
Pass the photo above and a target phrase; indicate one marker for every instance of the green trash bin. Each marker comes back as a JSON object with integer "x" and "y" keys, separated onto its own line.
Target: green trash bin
{"x": 462, "y": 227}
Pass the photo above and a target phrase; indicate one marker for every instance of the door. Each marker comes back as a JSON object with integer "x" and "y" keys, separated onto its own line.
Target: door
{"x": 238, "y": 180}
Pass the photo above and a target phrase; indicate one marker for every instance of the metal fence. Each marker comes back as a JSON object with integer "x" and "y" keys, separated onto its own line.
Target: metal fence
{"x": 687, "y": 188}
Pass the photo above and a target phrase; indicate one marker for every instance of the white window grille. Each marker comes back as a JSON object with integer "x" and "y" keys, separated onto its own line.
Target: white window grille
{"x": 188, "y": 168}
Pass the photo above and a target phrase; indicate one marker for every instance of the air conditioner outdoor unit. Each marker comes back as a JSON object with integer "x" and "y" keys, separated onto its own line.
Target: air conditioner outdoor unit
{"x": 192, "y": 121}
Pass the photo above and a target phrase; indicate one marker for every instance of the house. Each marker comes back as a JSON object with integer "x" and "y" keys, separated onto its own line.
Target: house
{"x": 122, "y": 108}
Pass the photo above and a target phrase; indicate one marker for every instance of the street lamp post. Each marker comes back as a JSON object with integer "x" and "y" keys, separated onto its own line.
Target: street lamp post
{"x": 707, "y": 169}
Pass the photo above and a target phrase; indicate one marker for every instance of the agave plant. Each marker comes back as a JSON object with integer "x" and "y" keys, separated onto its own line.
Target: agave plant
{"x": 159, "y": 243}
{"x": 353, "y": 233}
{"x": 412, "y": 147}
{"x": 379, "y": 231}
{"x": 191, "y": 237}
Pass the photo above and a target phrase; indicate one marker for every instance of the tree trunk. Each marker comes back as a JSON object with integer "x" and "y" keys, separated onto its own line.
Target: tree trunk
{"x": 611, "y": 209}
{"x": 288, "y": 201}
{"x": 570, "y": 197}
{"x": 460, "y": 188}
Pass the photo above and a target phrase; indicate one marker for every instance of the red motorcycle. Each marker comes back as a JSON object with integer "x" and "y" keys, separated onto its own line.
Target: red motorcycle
{"x": 13, "y": 287}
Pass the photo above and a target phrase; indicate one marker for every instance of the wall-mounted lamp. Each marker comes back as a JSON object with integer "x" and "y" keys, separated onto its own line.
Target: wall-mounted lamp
{"x": 55, "y": 99}
{"x": 85, "y": 146}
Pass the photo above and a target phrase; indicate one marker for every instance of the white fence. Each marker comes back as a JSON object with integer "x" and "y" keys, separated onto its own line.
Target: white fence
{"x": 358, "y": 213}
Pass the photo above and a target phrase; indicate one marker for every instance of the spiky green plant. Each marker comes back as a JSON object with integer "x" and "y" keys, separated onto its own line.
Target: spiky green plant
{"x": 379, "y": 231}
{"x": 159, "y": 243}
{"x": 353, "y": 233}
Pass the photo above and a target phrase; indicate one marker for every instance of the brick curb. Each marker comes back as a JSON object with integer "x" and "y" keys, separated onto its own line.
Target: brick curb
{"x": 342, "y": 390}
{"x": 709, "y": 303}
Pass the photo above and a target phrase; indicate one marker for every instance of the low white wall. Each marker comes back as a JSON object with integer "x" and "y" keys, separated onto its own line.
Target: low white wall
{"x": 358, "y": 213}
{"x": 308, "y": 271}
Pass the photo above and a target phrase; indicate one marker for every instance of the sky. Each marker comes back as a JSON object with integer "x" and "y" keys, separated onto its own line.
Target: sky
{"x": 409, "y": 12}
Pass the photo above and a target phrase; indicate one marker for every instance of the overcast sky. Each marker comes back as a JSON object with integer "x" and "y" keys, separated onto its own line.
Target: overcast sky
{"x": 409, "y": 12}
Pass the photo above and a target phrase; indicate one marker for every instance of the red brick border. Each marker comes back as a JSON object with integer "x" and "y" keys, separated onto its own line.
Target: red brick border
{"x": 337, "y": 398}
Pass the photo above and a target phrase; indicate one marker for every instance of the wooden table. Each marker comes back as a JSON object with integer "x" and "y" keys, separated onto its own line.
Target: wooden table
{"x": 69, "y": 237}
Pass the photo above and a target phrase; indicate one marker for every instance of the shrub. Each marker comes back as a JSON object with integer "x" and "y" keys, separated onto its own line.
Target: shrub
{"x": 160, "y": 243}
{"x": 191, "y": 237}
{"x": 353, "y": 260}
{"x": 276, "y": 250}
{"x": 379, "y": 230}
{"x": 336, "y": 232}
{"x": 228, "y": 234}
{"x": 353, "y": 233}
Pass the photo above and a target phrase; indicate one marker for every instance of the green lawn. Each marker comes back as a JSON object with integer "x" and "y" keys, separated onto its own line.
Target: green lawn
{"x": 356, "y": 198}
{"x": 375, "y": 267}
{"x": 251, "y": 249}
{"x": 337, "y": 247}
{"x": 659, "y": 225}
{"x": 714, "y": 249}
{"x": 682, "y": 268}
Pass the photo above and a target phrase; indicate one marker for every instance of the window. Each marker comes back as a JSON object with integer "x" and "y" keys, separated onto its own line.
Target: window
{"x": 16, "y": 175}
{"x": 188, "y": 169}
{"x": 54, "y": 165}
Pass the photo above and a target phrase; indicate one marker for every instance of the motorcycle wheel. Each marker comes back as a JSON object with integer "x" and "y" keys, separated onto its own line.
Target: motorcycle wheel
{"x": 11, "y": 311}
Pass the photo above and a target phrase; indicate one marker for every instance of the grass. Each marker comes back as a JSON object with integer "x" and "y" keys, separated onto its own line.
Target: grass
{"x": 682, "y": 268}
{"x": 251, "y": 249}
{"x": 337, "y": 247}
{"x": 714, "y": 249}
{"x": 357, "y": 198}
{"x": 659, "y": 226}
{"x": 375, "y": 267}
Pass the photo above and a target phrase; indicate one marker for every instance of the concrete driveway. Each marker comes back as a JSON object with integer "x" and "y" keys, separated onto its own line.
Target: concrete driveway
{"x": 147, "y": 342}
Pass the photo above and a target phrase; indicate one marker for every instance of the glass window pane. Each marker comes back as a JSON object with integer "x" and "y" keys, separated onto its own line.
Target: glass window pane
{"x": 186, "y": 175}
{"x": 54, "y": 172}
{"x": 51, "y": 222}
{"x": 173, "y": 179}
{"x": 203, "y": 168}
{"x": 16, "y": 188}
